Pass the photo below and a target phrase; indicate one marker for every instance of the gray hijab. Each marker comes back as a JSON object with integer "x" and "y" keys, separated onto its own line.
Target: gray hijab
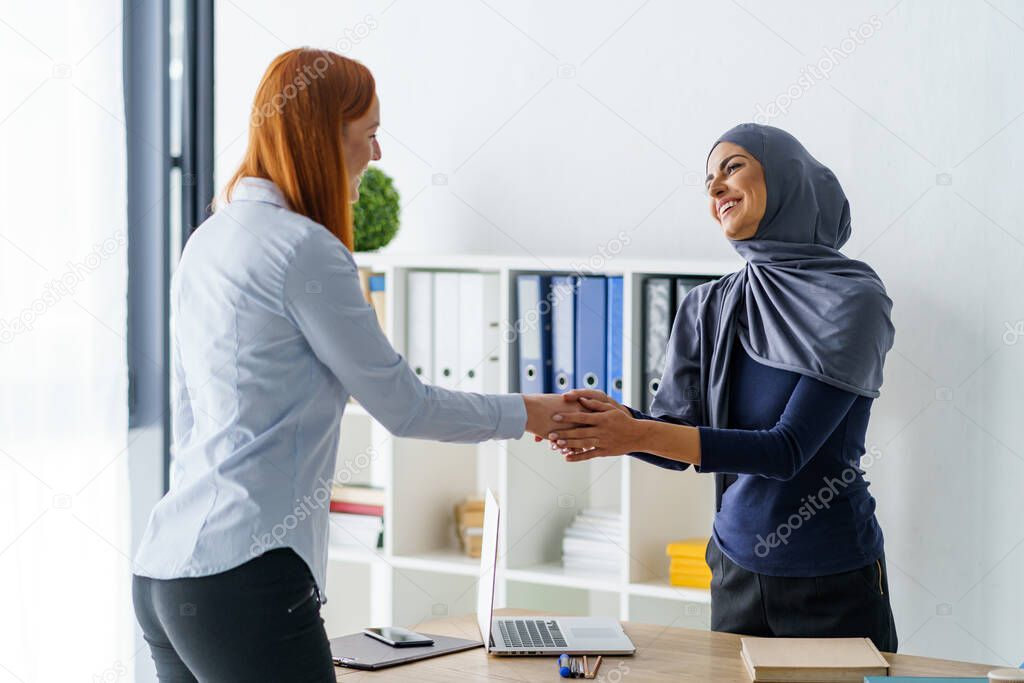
{"x": 798, "y": 304}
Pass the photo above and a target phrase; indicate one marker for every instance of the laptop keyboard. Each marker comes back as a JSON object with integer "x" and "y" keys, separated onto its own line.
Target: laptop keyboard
{"x": 521, "y": 633}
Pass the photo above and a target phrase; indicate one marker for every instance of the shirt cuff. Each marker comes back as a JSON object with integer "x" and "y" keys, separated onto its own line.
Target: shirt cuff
{"x": 709, "y": 451}
{"x": 511, "y": 416}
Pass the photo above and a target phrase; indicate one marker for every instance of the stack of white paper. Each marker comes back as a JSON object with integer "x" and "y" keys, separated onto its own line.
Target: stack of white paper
{"x": 594, "y": 544}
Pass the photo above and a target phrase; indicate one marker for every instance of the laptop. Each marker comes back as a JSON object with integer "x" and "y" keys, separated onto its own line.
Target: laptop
{"x": 536, "y": 635}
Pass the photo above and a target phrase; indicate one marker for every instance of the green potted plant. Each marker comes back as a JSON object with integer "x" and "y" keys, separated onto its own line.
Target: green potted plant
{"x": 375, "y": 216}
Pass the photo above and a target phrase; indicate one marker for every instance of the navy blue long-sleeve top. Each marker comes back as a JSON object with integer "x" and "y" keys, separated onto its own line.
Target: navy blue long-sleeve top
{"x": 800, "y": 505}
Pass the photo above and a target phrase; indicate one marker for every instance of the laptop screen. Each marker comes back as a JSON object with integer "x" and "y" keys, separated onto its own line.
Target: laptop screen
{"x": 488, "y": 568}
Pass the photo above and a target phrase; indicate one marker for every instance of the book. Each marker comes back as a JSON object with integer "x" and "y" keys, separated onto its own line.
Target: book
{"x": 348, "y": 520}
{"x": 687, "y": 567}
{"x": 473, "y": 541}
{"x": 469, "y": 522}
{"x": 348, "y": 530}
{"x": 598, "y": 523}
{"x": 355, "y": 493}
{"x": 597, "y": 571}
{"x": 829, "y": 660}
{"x": 471, "y": 518}
{"x": 689, "y": 575}
{"x": 690, "y": 566}
{"x": 377, "y": 298}
{"x": 593, "y": 544}
{"x": 579, "y": 546}
{"x": 364, "y": 282}
{"x": 687, "y": 581}
{"x": 357, "y": 508}
{"x": 611, "y": 519}
{"x": 691, "y": 547}
{"x": 593, "y": 534}
{"x": 589, "y": 534}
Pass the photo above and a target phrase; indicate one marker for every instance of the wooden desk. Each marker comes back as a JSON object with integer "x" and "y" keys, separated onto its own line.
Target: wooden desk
{"x": 662, "y": 654}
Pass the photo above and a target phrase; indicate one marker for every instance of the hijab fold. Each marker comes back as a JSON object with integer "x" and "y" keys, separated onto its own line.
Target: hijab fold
{"x": 798, "y": 304}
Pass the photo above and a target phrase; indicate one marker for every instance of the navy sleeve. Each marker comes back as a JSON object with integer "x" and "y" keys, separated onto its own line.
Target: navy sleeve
{"x": 650, "y": 458}
{"x": 813, "y": 412}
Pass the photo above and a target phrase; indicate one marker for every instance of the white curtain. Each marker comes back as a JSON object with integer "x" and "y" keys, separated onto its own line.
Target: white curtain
{"x": 64, "y": 522}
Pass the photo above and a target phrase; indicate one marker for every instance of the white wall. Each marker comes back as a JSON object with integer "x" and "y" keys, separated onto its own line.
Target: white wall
{"x": 559, "y": 124}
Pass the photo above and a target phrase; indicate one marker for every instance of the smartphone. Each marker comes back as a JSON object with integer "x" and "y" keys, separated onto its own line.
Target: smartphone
{"x": 396, "y": 636}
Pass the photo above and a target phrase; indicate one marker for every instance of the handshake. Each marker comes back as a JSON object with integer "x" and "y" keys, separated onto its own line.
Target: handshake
{"x": 583, "y": 424}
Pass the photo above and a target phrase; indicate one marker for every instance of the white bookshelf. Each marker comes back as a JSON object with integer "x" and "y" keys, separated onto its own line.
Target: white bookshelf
{"x": 420, "y": 573}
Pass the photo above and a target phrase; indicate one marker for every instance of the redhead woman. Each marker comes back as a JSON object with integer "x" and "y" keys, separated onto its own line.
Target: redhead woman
{"x": 272, "y": 335}
{"x": 771, "y": 375}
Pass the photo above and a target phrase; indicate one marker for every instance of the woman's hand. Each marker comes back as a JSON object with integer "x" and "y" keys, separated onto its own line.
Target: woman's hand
{"x": 594, "y": 394}
{"x": 540, "y": 409}
{"x": 605, "y": 428}
{"x": 573, "y": 397}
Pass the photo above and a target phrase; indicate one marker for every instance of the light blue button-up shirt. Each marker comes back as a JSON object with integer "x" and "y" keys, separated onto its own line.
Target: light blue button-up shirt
{"x": 271, "y": 335}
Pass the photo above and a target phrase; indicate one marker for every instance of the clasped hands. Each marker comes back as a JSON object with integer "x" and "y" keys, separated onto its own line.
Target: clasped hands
{"x": 582, "y": 424}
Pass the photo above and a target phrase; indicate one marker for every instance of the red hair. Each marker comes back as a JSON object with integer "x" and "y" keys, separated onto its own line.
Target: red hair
{"x": 295, "y": 133}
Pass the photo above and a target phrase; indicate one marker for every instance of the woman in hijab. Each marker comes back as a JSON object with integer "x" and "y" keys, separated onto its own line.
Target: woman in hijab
{"x": 771, "y": 374}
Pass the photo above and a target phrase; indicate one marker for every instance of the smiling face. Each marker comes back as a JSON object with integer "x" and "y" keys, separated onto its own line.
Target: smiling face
{"x": 736, "y": 189}
{"x": 359, "y": 139}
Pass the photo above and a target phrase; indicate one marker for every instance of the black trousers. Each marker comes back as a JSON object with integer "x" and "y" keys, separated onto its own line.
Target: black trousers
{"x": 849, "y": 604}
{"x": 257, "y": 622}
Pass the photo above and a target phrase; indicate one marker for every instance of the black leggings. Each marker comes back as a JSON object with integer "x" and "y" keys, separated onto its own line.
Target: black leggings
{"x": 257, "y": 622}
{"x": 849, "y": 604}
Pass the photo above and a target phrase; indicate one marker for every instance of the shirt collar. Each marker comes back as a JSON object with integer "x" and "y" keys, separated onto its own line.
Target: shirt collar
{"x": 251, "y": 189}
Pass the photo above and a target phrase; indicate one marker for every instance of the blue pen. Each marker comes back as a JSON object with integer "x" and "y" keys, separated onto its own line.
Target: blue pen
{"x": 563, "y": 666}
